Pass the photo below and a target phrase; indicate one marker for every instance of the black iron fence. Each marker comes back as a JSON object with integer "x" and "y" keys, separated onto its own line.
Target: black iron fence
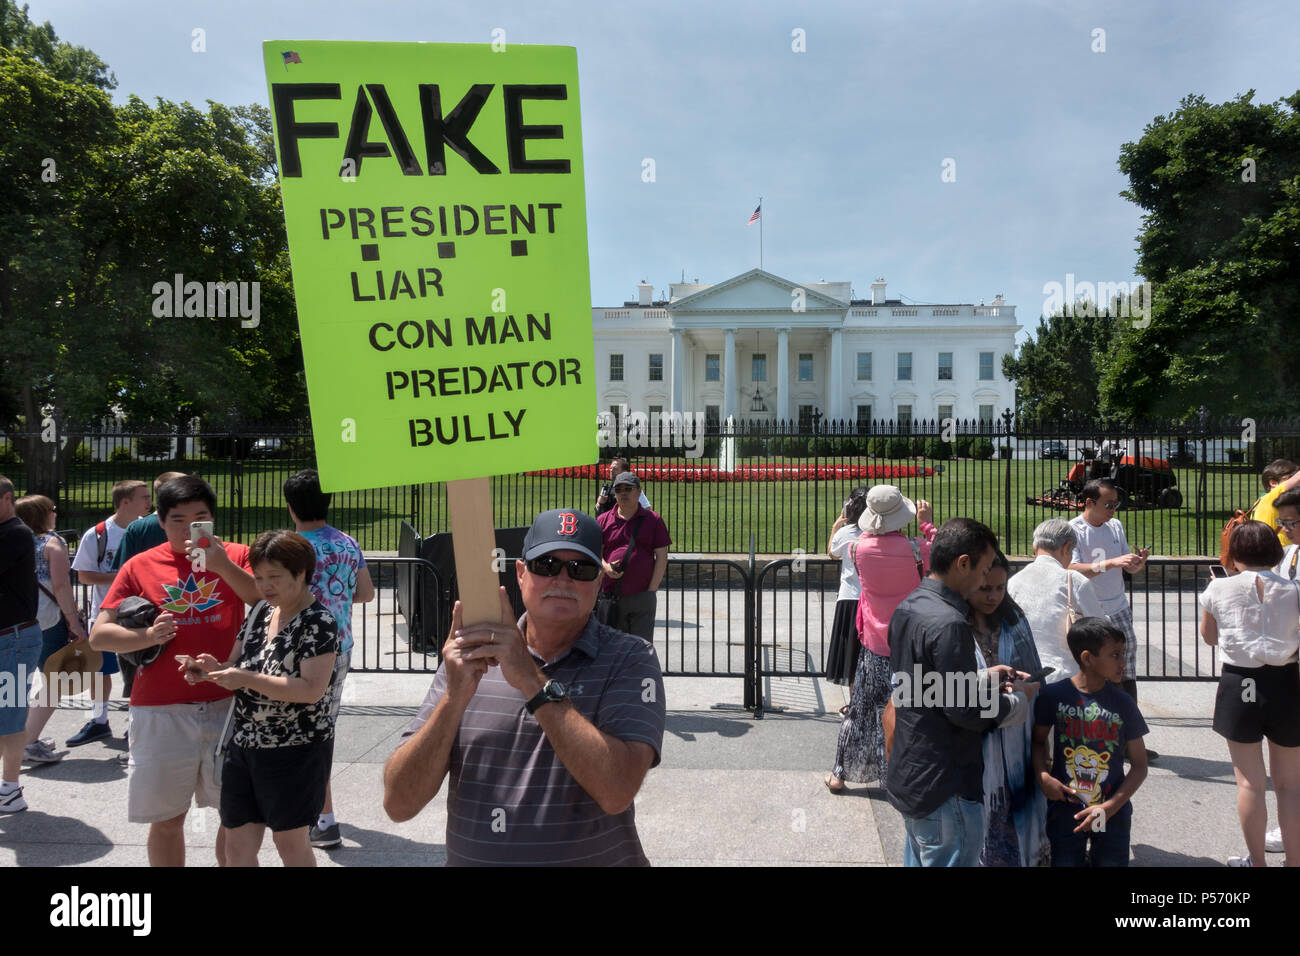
{"x": 737, "y": 619}
{"x": 783, "y": 485}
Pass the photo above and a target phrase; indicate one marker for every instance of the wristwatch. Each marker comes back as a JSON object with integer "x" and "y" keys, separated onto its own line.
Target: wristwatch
{"x": 552, "y": 692}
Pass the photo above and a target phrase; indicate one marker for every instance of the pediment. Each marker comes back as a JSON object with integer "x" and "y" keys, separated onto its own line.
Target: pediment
{"x": 755, "y": 291}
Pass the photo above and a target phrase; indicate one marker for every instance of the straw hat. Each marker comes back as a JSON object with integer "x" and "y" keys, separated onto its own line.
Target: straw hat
{"x": 76, "y": 658}
{"x": 887, "y": 510}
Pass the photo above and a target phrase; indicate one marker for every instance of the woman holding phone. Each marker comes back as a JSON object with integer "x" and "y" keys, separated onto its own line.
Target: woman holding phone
{"x": 278, "y": 760}
{"x": 1015, "y": 809}
{"x": 1252, "y": 618}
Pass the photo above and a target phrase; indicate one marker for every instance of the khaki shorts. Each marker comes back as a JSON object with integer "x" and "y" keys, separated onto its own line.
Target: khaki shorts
{"x": 173, "y": 759}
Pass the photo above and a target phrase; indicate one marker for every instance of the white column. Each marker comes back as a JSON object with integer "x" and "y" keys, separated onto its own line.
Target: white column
{"x": 679, "y": 372}
{"x": 835, "y": 380}
{"x": 782, "y": 374}
{"x": 729, "y": 375}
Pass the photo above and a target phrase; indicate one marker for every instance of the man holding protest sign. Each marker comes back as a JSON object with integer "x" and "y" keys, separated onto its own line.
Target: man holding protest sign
{"x": 547, "y": 726}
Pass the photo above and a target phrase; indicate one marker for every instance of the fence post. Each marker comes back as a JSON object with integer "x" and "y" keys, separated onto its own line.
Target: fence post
{"x": 1202, "y": 497}
{"x": 753, "y": 682}
{"x": 1006, "y": 538}
{"x": 237, "y": 485}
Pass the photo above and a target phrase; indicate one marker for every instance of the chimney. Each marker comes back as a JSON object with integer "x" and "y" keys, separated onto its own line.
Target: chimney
{"x": 878, "y": 291}
{"x": 645, "y": 293}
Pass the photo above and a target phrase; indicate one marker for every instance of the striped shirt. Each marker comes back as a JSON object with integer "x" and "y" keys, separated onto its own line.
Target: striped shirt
{"x": 511, "y": 801}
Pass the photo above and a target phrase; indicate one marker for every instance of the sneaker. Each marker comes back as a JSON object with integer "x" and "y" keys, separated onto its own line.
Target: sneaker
{"x": 324, "y": 839}
{"x": 1239, "y": 861}
{"x": 92, "y": 731}
{"x": 1273, "y": 840}
{"x": 40, "y": 752}
{"x": 1152, "y": 756}
{"x": 124, "y": 758}
{"x": 12, "y": 801}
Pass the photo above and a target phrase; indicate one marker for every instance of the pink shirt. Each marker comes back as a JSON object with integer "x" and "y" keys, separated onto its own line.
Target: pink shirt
{"x": 886, "y": 574}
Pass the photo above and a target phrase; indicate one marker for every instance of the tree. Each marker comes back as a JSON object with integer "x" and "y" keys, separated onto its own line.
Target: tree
{"x": 98, "y": 205}
{"x": 1220, "y": 187}
{"x": 1058, "y": 371}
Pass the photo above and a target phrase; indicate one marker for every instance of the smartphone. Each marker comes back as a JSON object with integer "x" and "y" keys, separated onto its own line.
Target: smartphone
{"x": 1039, "y": 674}
{"x": 191, "y": 667}
{"x": 1218, "y": 571}
{"x": 200, "y": 530}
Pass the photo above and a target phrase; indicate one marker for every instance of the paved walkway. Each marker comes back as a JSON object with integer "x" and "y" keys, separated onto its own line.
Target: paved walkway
{"x": 731, "y": 790}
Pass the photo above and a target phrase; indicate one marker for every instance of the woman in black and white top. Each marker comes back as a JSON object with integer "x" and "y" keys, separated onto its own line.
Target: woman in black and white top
{"x": 1254, "y": 619}
{"x": 278, "y": 761}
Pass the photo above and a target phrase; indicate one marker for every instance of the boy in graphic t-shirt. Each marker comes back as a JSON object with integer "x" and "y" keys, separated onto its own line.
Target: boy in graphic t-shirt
{"x": 175, "y": 725}
{"x": 1093, "y": 726}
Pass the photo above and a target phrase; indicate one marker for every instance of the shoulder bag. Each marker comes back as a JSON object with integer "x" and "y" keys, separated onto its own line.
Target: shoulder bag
{"x": 607, "y": 604}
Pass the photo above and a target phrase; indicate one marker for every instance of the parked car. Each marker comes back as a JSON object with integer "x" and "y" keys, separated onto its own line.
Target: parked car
{"x": 267, "y": 446}
{"x": 1054, "y": 449}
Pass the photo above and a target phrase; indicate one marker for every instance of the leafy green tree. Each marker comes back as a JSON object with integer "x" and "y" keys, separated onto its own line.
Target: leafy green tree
{"x": 98, "y": 204}
{"x": 1220, "y": 188}
{"x": 1058, "y": 371}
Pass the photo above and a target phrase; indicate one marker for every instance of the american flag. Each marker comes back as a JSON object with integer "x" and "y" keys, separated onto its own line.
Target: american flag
{"x": 758, "y": 214}
{"x": 291, "y": 57}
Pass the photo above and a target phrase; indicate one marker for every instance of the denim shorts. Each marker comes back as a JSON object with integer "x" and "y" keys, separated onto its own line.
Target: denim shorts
{"x": 20, "y": 652}
{"x": 950, "y": 836}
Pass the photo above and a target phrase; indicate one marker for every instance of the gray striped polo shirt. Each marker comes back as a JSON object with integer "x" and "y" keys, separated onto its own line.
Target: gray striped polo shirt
{"x": 511, "y": 801}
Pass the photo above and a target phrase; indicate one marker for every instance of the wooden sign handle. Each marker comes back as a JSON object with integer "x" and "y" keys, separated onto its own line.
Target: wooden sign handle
{"x": 473, "y": 538}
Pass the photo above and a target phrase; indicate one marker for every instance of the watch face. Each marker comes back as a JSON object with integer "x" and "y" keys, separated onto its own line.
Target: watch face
{"x": 554, "y": 690}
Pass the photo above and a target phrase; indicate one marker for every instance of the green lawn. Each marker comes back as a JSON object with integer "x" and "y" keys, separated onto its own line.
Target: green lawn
{"x": 705, "y": 517}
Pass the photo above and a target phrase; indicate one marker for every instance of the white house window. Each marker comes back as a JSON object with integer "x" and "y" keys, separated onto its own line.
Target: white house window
{"x": 945, "y": 413}
{"x": 805, "y": 367}
{"x": 945, "y": 366}
{"x": 904, "y": 418}
{"x": 758, "y": 367}
{"x": 656, "y": 410}
{"x": 712, "y": 418}
{"x": 805, "y": 417}
{"x": 616, "y": 367}
{"x": 905, "y": 367}
{"x": 986, "y": 366}
{"x": 864, "y": 417}
{"x": 656, "y": 366}
{"x": 864, "y": 367}
{"x": 712, "y": 368}
{"x": 986, "y": 414}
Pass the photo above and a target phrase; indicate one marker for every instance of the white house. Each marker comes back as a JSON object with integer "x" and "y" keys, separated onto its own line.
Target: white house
{"x": 758, "y": 346}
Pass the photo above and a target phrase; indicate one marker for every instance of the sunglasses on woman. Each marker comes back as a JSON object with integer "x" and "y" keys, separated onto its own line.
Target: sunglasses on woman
{"x": 548, "y": 566}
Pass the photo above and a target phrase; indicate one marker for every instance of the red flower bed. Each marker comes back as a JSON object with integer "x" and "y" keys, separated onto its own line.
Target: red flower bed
{"x": 747, "y": 472}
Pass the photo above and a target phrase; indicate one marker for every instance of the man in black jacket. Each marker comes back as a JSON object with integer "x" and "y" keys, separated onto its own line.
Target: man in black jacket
{"x": 944, "y": 702}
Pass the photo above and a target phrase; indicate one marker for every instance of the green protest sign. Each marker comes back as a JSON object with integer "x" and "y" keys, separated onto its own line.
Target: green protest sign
{"x": 434, "y": 201}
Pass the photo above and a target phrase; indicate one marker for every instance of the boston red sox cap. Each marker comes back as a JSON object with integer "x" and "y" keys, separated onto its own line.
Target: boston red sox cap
{"x": 564, "y": 529}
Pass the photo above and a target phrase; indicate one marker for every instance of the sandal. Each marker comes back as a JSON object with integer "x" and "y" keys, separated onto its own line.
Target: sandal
{"x": 835, "y": 790}
{"x": 844, "y": 711}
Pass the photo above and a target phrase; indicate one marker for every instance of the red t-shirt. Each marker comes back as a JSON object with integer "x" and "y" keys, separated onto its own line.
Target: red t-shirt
{"x": 208, "y": 616}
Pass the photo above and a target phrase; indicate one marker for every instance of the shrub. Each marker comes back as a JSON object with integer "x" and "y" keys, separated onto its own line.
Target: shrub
{"x": 153, "y": 446}
{"x": 982, "y": 449}
{"x": 121, "y": 453}
{"x": 900, "y": 448}
{"x": 82, "y": 455}
{"x": 1004, "y": 451}
{"x": 10, "y": 456}
{"x": 938, "y": 450}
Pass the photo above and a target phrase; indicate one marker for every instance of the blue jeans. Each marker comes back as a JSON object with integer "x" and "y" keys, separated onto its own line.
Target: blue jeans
{"x": 1109, "y": 846}
{"x": 19, "y": 653}
{"x": 950, "y": 836}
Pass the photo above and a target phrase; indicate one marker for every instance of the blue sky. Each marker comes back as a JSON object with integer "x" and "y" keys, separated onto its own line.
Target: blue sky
{"x": 845, "y": 141}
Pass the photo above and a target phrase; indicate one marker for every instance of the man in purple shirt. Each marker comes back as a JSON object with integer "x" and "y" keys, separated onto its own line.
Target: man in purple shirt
{"x": 636, "y": 556}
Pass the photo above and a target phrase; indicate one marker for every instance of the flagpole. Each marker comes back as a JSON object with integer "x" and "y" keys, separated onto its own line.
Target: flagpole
{"x": 760, "y": 233}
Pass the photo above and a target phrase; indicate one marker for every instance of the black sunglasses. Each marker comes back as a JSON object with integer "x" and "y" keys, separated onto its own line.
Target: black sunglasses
{"x": 548, "y": 566}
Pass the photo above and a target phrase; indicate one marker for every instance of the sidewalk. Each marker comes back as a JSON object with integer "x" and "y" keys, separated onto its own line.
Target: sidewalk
{"x": 730, "y": 790}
